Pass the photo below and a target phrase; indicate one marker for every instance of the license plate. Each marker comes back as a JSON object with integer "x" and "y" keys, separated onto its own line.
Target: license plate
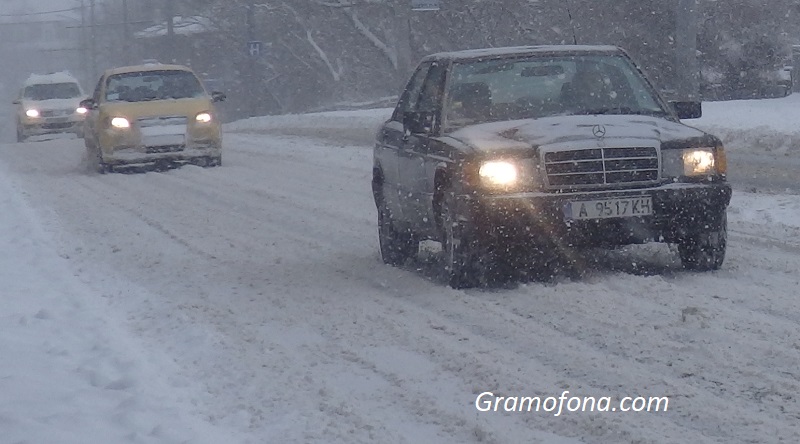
{"x": 57, "y": 120}
{"x": 609, "y": 208}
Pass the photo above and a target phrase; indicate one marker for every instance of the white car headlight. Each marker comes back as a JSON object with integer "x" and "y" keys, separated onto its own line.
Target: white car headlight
{"x": 698, "y": 162}
{"x": 120, "y": 122}
{"x": 498, "y": 173}
{"x": 203, "y": 117}
{"x": 81, "y": 110}
{"x": 33, "y": 113}
{"x": 693, "y": 162}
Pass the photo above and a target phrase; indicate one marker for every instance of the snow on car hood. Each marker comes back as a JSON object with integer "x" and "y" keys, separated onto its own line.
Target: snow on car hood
{"x": 52, "y": 104}
{"x": 619, "y": 130}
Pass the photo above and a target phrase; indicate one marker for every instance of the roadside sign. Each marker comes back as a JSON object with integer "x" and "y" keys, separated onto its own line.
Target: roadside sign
{"x": 424, "y": 5}
{"x": 254, "y": 48}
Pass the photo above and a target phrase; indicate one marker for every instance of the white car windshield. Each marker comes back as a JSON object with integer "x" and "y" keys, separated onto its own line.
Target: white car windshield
{"x": 47, "y": 91}
{"x": 533, "y": 87}
{"x": 153, "y": 85}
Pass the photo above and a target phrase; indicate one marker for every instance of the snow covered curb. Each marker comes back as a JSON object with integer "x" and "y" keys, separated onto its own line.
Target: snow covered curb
{"x": 69, "y": 368}
{"x": 755, "y": 126}
{"x": 360, "y": 119}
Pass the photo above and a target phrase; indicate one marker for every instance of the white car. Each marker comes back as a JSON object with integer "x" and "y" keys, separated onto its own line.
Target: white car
{"x": 49, "y": 104}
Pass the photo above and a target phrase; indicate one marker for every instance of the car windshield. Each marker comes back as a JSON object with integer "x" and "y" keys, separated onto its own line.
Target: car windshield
{"x": 533, "y": 87}
{"x": 46, "y": 91}
{"x": 153, "y": 85}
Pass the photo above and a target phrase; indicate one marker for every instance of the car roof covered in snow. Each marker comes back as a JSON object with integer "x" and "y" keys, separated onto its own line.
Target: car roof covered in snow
{"x": 147, "y": 67}
{"x": 56, "y": 77}
{"x": 515, "y": 51}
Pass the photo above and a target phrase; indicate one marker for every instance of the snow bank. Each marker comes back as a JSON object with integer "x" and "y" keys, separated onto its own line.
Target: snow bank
{"x": 69, "y": 371}
{"x": 355, "y": 119}
{"x": 769, "y": 125}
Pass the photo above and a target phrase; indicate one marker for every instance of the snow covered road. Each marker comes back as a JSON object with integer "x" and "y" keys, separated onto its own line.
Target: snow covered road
{"x": 262, "y": 284}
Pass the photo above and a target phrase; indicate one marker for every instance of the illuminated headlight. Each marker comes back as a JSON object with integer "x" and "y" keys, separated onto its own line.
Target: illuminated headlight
{"x": 120, "y": 122}
{"x": 203, "y": 117}
{"x": 81, "y": 110}
{"x": 694, "y": 162}
{"x": 698, "y": 162}
{"x": 498, "y": 173}
{"x": 32, "y": 113}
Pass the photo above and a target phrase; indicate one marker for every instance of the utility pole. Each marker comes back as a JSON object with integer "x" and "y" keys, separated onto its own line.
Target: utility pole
{"x": 126, "y": 35}
{"x": 93, "y": 37}
{"x": 687, "y": 70}
{"x": 87, "y": 76}
{"x": 171, "y": 30}
{"x": 251, "y": 59}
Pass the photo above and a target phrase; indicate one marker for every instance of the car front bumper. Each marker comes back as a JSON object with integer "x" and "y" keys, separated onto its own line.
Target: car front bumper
{"x": 43, "y": 126}
{"x": 130, "y": 148}
{"x": 678, "y": 210}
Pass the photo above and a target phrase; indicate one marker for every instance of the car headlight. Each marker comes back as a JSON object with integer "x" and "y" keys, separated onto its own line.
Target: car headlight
{"x": 81, "y": 110}
{"x": 120, "y": 122}
{"x": 203, "y": 117}
{"x": 32, "y": 113}
{"x": 498, "y": 173}
{"x": 694, "y": 162}
{"x": 698, "y": 162}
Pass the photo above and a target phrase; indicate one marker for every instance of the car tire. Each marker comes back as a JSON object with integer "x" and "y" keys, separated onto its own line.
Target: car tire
{"x": 214, "y": 161}
{"x": 100, "y": 165}
{"x": 462, "y": 264}
{"x": 704, "y": 251}
{"x": 396, "y": 246}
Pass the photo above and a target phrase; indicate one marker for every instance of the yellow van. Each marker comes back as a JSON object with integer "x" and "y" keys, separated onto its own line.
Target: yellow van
{"x": 152, "y": 115}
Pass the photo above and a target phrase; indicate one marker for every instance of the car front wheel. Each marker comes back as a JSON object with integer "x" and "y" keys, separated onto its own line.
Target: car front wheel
{"x": 704, "y": 251}
{"x": 461, "y": 253}
{"x": 396, "y": 246}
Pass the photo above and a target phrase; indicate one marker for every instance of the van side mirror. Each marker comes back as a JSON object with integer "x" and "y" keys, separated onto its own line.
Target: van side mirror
{"x": 217, "y": 96}
{"x": 688, "y": 110}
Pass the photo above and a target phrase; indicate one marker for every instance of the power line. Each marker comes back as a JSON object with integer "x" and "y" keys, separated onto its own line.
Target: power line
{"x": 28, "y": 14}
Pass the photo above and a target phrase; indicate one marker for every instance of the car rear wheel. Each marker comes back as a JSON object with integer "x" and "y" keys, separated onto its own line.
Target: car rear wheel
{"x": 396, "y": 246}
{"x": 704, "y": 251}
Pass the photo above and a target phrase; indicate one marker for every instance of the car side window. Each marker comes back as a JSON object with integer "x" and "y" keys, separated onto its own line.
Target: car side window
{"x": 410, "y": 96}
{"x": 433, "y": 89}
{"x": 97, "y": 89}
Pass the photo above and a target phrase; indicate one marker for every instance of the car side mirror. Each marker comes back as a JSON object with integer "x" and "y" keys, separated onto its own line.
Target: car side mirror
{"x": 418, "y": 122}
{"x": 688, "y": 110}
{"x": 217, "y": 96}
{"x": 17, "y": 102}
{"x": 88, "y": 104}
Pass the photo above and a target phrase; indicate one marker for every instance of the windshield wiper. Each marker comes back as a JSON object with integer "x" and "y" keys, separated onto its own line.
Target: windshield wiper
{"x": 623, "y": 110}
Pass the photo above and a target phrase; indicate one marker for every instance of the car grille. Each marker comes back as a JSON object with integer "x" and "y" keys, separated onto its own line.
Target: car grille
{"x": 57, "y": 125}
{"x": 600, "y": 167}
{"x": 57, "y": 112}
{"x": 162, "y": 121}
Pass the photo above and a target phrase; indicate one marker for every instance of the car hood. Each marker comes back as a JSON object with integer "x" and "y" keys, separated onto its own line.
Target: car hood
{"x": 574, "y": 131}
{"x": 51, "y": 104}
{"x": 175, "y": 107}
